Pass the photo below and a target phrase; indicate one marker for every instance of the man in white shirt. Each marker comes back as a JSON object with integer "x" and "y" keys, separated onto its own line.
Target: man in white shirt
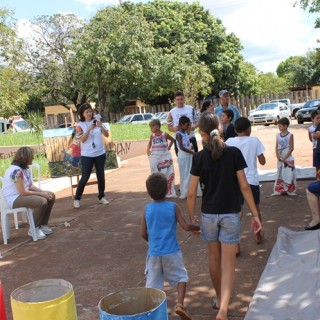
{"x": 182, "y": 110}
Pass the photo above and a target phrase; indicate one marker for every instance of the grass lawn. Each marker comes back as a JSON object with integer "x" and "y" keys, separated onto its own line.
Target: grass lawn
{"x": 120, "y": 132}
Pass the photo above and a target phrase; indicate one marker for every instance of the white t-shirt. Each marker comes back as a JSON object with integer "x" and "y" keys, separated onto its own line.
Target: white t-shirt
{"x": 312, "y": 130}
{"x": 251, "y": 148}
{"x": 94, "y": 145}
{"x": 9, "y": 189}
{"x": 176, "y": 113}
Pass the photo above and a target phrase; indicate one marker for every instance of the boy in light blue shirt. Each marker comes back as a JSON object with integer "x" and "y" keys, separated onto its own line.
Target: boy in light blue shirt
{"x": 158, "y": 227}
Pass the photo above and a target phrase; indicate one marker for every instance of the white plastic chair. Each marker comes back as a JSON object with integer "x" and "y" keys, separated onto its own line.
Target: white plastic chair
{"x": 5, "y": 211}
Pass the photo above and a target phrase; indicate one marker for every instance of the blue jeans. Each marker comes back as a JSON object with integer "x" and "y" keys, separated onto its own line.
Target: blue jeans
{"x": 87, "y": 165}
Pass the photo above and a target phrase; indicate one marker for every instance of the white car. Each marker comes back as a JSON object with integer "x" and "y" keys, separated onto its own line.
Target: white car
{"x": 137, "y": 118}
{"x": 268, "y": 113}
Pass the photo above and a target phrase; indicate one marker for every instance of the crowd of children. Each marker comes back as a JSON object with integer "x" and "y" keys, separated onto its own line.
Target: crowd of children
{"x": 228, "y": 161}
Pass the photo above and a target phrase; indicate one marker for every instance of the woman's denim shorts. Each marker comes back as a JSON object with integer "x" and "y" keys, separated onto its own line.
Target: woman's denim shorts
{"x": 224, "y": 228}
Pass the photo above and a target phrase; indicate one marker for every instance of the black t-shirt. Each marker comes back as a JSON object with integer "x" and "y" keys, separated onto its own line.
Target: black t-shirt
{"x": 318, "y": 141}
{"x": 230, "y": 132}
{"x": 221, "y": 192}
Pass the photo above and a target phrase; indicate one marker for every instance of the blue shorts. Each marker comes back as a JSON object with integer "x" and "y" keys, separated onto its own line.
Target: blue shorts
{"x": 316, "y": 156}
{"x": 255, "y": 192}
{"x": 170, "y": 268}
{"x": 224, "y": 228}
{"x": 314, "y": 187}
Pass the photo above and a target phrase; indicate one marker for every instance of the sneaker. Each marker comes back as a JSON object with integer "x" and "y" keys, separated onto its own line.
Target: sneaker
{"x": 76, "y": 204}
{"x": 46, "y": 230}
{"x": 182, "y": 312}
{"x": 39, "y": 233}
{"x": 104, "y": 201}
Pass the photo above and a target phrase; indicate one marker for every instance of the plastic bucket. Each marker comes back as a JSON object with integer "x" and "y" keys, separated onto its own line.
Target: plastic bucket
{"x": 134, "y": 304}
{"x": 44, "y": 299}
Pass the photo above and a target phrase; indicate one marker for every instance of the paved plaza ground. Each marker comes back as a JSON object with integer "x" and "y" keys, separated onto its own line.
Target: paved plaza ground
{"x": 101, "y": 251}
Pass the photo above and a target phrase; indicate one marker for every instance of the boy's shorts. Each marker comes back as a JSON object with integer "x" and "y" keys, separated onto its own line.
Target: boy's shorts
{"x": 169, "y": 267}
{"x": 224, "y": 228}
{"x": 255, "y": 192}
{"x": 314, "y": 187}
{"x": 316, "y": 156}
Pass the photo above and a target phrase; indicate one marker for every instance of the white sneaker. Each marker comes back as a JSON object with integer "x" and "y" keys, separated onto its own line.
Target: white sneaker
{"x": 46, "y": 230}
{"x": 76, "y": 204}
{"x": 39, "y": 233}
{"x": 104, "y": 201}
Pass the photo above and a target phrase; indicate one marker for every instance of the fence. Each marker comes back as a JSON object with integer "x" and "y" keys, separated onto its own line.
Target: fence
{"x": 244, "y": 103}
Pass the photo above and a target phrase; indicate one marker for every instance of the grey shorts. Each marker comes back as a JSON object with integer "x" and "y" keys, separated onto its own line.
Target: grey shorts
{"x": 224, "y": 228}
{"x": 170, "y": 268}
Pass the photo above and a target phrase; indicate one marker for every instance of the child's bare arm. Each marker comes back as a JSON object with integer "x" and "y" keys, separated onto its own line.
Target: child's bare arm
{"x": 149, "y": 146}
{"x": 192, "y": 194}
{"x": 277, "y": 153}
{"x": 184, "y": 225}
{"x": 310, "y": 136}
{"x": 143, "y": 228}
{"x": 171, "y": 139}
{"x": 262, "y": 159}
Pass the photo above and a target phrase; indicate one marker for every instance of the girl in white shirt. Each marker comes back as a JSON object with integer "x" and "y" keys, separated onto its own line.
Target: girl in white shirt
{"x": 90, "y": 132}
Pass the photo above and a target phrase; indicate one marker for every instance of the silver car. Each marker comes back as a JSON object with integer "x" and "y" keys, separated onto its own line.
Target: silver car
{"x": 269, "y": 113}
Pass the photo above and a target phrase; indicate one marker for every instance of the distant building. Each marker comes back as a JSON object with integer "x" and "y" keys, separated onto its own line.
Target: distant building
{"x": 59, "y": 114}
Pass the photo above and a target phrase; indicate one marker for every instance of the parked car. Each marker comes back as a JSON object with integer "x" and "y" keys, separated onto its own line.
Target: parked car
{"x": 157, "y": 115}
{"x": 268, "y": 113}
{"x": 304, "y": 113}
{"x": 63, "y": 125}
{"x": 162, "y": 116}
{"x": 138, "y": 118}
{"x": 15, "y": 124}
{"x": 293, "y": 107}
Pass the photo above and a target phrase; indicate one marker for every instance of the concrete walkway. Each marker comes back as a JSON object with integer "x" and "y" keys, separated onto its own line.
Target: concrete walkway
{"x": 101, "y": 251}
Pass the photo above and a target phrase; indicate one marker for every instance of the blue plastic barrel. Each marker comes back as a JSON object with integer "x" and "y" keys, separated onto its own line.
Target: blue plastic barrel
{"x": 134, "y": 304}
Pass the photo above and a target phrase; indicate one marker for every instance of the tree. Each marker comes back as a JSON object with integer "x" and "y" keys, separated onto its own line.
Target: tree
{"x": 271, "y": 83}
{"x": 313, "y": 6}
{"x": 176, "y": 24}
{"x": 10, "y": 45}
{"x": 116, "y": 55}
{"x": 299, "y": 71}
{"x": 50, "y": 57}
{"x": 12, "y": 97}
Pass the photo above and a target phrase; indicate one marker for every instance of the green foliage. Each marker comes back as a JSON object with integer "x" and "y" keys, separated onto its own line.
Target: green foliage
{"x": 49, "y": 57}
{"x": 9, "y": 43}
{"x": 12, "y": 97}
{"x": 115, "y": 55}
{"x": 299, "y": 71}
{"x": 270, "y": 83}
{"x": 188, "y": 29}
{"x": 313, "y": 6}
{"x": 249, "y": 80}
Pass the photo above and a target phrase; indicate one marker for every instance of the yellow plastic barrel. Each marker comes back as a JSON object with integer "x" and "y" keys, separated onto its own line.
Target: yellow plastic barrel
{"x": 134, "y": 304}
{"x": 51, "y": 299}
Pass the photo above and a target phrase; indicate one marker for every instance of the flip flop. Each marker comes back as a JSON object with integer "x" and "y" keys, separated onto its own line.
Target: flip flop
{"x": 214, "y": 304}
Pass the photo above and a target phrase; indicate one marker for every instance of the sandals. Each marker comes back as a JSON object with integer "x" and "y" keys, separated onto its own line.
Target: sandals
{"x": 180, "y": 310}
{"x": 214, "y": 304}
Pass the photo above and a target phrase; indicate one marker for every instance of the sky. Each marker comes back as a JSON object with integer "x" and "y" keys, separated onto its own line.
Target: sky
{"x": 270, "y": 30}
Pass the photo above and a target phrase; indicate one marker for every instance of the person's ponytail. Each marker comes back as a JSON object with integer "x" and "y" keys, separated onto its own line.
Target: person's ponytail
{"x": 209, "y": 124}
